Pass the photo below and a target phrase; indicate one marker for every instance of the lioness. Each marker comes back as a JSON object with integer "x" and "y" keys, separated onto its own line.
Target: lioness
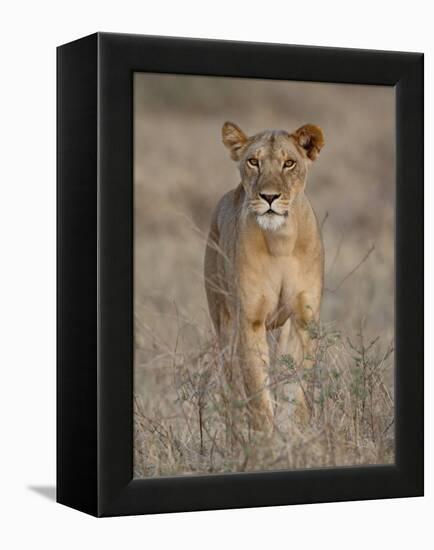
{"x": 264, "y": 259}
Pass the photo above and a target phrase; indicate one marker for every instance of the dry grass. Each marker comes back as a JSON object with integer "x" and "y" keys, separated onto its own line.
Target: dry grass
{"x": 197, "y": 427}
{"x": 183, "y": 409}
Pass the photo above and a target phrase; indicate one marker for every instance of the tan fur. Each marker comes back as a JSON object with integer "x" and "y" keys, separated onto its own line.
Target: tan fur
{"x": 264, "y": 271}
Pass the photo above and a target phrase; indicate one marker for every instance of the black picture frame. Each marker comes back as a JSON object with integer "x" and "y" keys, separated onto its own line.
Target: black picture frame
{"x": 95, "y": 273}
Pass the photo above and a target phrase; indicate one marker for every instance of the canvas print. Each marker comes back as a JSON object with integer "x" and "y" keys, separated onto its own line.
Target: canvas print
{"x": 263, "y": 275}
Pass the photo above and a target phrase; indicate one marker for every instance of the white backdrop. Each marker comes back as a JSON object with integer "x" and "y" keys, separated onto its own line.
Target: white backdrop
{"x": 29, "y": 34}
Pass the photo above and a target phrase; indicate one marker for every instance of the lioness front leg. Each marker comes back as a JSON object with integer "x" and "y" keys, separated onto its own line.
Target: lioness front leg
{"x": 254, "y": 356}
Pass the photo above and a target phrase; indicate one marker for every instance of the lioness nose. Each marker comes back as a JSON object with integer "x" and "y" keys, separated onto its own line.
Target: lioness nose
{"x": 269, "y": 198}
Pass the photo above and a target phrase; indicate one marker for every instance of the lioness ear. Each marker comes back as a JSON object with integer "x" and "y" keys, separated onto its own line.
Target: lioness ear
{"x": 234, "y": 139}
{"x": 311, "y": 138}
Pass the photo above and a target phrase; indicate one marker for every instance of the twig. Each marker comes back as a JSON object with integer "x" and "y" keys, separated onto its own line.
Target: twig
{"x": 336, "y": 256}
{"x": 324, "y": 219}
{"x": 348, "y": 275}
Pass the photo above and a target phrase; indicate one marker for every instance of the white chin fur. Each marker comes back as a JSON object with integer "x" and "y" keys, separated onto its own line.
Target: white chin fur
{"x": 270, "y": 222}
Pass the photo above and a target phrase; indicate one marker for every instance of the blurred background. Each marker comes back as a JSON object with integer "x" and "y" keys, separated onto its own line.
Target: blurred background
{"x": 181, "y": 169}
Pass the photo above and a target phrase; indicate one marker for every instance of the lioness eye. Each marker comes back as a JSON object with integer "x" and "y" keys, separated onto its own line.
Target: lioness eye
{"x": 253, "y": 162}
{"x": 289, "y": 163}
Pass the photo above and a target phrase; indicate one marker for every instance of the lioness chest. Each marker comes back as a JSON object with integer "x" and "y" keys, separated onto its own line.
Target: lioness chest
{"x": 270, "y": 282}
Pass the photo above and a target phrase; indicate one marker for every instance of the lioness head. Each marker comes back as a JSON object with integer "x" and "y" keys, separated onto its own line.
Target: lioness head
{"x": 273, "y": 167}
